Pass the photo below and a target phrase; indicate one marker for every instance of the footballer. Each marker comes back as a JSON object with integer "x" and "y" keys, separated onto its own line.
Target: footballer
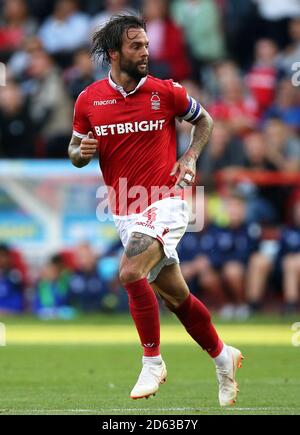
{"x": 129, "y": 119}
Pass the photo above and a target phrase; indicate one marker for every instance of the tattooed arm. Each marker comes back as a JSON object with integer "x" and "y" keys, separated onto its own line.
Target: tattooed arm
{"x": 81, "y": 151}
{"x": 199, "y": 138}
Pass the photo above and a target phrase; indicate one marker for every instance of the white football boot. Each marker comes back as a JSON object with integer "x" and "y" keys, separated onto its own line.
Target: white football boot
{"x": 228, "y": 387}
{"x": 152, "y": 375}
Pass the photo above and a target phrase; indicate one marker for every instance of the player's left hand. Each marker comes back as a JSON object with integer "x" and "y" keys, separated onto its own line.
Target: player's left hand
{"x": 185, "y": 169}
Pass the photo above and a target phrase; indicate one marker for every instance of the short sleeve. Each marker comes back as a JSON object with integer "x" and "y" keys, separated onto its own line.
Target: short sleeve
{"x": 81, "y": 124}
{"x": 186, "y": 107}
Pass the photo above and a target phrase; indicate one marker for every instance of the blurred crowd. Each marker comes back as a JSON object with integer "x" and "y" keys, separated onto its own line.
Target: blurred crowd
{"x": 70, "y": 282}
{"x": 241, "y": 59}
{"x": 233, "y": 265}
{"x": 238, "y": 57}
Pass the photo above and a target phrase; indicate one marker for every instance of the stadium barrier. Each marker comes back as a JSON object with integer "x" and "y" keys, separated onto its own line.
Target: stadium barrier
{"x": 259, "y": 178}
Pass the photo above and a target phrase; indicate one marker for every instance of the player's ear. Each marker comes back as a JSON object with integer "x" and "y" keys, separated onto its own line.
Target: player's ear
{"x": 113, "y": 54}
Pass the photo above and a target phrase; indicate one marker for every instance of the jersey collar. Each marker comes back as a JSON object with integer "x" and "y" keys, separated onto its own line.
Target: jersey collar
{"x": 121, "y": 89}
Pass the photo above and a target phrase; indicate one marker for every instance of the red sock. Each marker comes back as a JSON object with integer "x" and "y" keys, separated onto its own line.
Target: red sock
{"x": 145, "y": 313}
{"x": 197, "y": 321}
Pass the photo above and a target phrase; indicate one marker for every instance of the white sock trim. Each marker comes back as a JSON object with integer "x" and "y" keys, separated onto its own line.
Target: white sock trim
{"x": 222, "y": 359}
{"x": 152, "y": 359}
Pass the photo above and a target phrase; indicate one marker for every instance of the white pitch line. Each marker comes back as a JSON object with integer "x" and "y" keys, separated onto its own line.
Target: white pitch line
{"x": 48, "y": 410}
{"x": 195, "y": 409}
{"x": 146, "y": 409}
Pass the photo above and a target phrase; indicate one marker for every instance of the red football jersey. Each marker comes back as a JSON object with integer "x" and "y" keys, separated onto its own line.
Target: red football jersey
{"x": 262, "y": 83}
{"x": 136, "y": 134}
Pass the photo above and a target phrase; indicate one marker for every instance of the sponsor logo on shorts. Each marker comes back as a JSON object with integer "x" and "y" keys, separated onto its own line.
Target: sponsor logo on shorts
{"x": 184, "y": 207}
{"x": 151, "y": 215}
{"x": 146, "y": 224}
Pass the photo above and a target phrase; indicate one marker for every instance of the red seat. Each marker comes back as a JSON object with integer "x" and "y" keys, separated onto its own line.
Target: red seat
{"x": 18, "y": 262}
{"x": 69, "y": 259}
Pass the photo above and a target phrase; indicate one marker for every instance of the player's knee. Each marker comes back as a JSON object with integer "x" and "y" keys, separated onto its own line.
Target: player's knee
{"x": 174, "y": 303}
{"x": 170, "y": 305}
{"x": 130, "y": 274}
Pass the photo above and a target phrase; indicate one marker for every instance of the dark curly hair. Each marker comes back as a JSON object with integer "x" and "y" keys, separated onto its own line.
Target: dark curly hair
{"x": 110, "y": 36}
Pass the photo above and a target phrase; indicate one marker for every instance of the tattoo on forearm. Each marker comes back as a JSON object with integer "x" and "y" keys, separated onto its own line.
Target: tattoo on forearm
{"x": 200, "y": 135}
{"x": 190, "y": 162}
{"x": 74, "y": 154}
{"x": 138, "y": 243}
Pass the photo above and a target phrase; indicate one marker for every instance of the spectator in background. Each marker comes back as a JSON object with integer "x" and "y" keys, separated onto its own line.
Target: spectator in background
{"x": 282, "y": 264}
{"x": 275, "y": 17}
{"x": 286, "y": 106}
{"x": 264, "y": 203}
{"x": 259, "y": 272}
{"x": 16, "y": 127}
{"x": 52, "y": 290}
{"x": 236, "y": 243}
{"x": 292, "y": 53}
{"x": 111, "y": 7}
{"x": 65, "y": 31}
{"x": 40, "y": 9}
{"x": 234, "y": 104}
{"x": 213, "y": 82}
{"x": 86, "y": 285}
{"x": 11, "y": 284}
{"x": 18, "y": 64}
{"x": 262, "y": 77}
{"x": 81, "y": 74}
{"x": 15, "y": 26}
{"x": 50, "y": 107}
{"x": 223, "y": 151}
{"x": 289, "y": 260}
{"x": 283, "y": 148}
{"x": 200, "y": 20}
{"x": 200, "y": 260}
{"x": 167, "y": 42}
{"x": 108, "y": 269}
{"x": 240, "y": 20}
{"x": 93, "y": 7}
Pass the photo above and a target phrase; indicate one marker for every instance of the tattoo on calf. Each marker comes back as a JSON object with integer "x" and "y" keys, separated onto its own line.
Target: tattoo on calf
{"x": 138, "y": 244}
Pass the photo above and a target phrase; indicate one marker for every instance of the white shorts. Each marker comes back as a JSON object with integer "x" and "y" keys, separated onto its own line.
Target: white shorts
{"x": 164, "y": 220}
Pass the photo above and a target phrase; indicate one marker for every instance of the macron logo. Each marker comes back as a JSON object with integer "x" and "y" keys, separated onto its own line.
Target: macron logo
{"x": 104, "y": 102}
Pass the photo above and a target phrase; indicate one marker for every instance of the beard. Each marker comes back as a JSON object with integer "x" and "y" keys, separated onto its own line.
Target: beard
{"x": 133, "y": 69}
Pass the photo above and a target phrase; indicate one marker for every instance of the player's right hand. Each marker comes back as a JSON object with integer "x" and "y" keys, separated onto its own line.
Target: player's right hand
{"x": 88, "y": 146}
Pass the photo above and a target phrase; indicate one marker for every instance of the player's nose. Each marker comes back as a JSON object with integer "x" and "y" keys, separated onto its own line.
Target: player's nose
{"x": 145, "y": 52}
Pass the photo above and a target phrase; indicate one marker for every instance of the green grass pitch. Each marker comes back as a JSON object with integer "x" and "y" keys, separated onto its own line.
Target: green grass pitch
{"x": 90, "y": 365}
